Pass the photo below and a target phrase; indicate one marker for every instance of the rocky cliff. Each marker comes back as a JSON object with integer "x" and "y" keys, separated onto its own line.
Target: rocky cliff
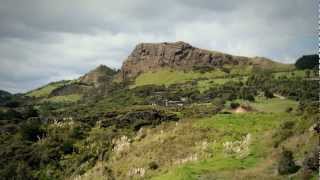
{"x": 178, "y": 55}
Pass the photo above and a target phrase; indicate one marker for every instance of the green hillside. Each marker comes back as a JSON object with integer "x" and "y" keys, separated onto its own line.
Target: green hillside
{"x": 45, "y": 91}
{"x": 232, "y": 122}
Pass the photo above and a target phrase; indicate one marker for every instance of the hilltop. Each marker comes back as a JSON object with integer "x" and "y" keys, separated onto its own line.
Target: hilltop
{"x": 182, "y": 56}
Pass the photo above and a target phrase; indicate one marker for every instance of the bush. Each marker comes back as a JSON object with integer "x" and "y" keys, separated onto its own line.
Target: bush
{"x": 311, "y": 161}
{"x": 284, "y": 132}
{"x": 153, "y": 165}
{"x": 31, "y": 131}
{"x": 286, "y": 163}
{"x": 268, "y": 94}
{"x": 249, "y": 98}
{"x": 289, "y": 109}
{"x": 67, "y": 147}
{"x": 234, "y": 105}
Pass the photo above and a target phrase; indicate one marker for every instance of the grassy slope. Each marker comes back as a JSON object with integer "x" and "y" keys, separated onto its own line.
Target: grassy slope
{"x": 170, "y": 142}
{"x": 230, "y": 128}
{"x": 44, "y": 91}
{"x": 269, "y": 105}
{"x": 61, "y": 99}
{"x": 167, "y": 77}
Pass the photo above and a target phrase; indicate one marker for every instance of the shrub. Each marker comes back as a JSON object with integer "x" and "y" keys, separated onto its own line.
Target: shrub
{"x": 153, "y": 165}
{"x": 31, "y": 131}
{"x": 249, "y": 98}
{"x": 268, "y": 94}
{"x": 311, "y": 161}
{"x": 67, "y": 147}
{"x": 234, "y": 105}
{"x": 286, "y": 163}
{"x": 284, "y": 132}
{"x": 289, "y": 109}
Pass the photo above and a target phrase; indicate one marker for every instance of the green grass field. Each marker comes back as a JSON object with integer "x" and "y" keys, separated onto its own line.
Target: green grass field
{"x": 64, "y": 99}
{"x": 46, "y": 90}
{"x": 167, "y": 77}
{"x": 204, "y": 85}
{"x": 296, "y": 73}
{"x": 269, "y": 105}
{"x": 230, "y": 127}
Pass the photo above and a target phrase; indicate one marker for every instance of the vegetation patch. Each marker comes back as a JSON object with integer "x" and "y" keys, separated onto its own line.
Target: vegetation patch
{"x": 64, "y": 99}
{"x": 46, "y": 90}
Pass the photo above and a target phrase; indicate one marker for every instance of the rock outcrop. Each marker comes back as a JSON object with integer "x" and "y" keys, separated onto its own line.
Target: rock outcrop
{"x": 178, "y": 55}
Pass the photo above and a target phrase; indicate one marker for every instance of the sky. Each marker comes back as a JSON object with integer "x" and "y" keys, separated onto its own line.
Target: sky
{"x": 50, "y": 40}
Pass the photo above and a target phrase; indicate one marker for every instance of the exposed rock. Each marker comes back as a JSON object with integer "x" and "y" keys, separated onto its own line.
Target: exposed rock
{"x": 102, "y": 74}
{"x": 238, "y": 147}
{"x": 121, "y": 144}
{"x": 178, "y": 55}
{"x": 140, "y": 172}
{"x": 191, "y": 158}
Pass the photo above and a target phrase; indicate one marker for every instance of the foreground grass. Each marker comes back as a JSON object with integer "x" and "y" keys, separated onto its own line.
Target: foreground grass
{"x": 169, "y": 143}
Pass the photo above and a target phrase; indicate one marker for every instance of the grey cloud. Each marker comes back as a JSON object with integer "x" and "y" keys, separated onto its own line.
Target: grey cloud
{"x": 44, "y": 40}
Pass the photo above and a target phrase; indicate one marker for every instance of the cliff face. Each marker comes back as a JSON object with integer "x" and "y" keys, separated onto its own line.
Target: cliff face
{"x": 178, "y": 55}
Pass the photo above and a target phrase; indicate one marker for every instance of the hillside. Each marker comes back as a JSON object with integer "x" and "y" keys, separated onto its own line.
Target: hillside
{"x": 173, "y": 112}
{"x": 182, "y": 56}
{"x": 73, "y": 91}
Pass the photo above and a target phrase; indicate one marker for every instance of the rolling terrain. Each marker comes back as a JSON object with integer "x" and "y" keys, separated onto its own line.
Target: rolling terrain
{"x": 172, "y": 112}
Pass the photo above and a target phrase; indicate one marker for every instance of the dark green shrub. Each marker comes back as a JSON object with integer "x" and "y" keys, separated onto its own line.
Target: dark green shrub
{"x": 289, "y": 109}
{"x": 249, "y": 98}
{"x": 67, "y": 147}
{"x": 234, "y": 105}
{"x": 268, "y": 94}
{"x": 31, "y": 131}
{"x": 286, "y": 163}
{"x": 153, "y": 165}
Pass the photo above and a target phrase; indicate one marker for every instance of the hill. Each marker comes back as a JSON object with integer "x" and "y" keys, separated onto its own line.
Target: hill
{"x": 102, "y": 74}
{"x": 182, "y": 56}
{"x": 172, "y": 112}
{"x": 72, "y": 91}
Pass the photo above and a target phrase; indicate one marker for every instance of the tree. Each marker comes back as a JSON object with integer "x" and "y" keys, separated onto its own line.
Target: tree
{"x": 307, "y": 62}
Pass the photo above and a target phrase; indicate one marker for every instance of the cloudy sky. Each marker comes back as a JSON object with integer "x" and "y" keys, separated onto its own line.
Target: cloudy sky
{"x": 49, "y": 40}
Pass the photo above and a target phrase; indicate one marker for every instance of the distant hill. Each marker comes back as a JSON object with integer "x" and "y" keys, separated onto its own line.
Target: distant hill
{"x": 5, "y": 96}
{"x": 182, "y": 56}
{"x": 102, "y": 74}
{"x": 70, "y": 91}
